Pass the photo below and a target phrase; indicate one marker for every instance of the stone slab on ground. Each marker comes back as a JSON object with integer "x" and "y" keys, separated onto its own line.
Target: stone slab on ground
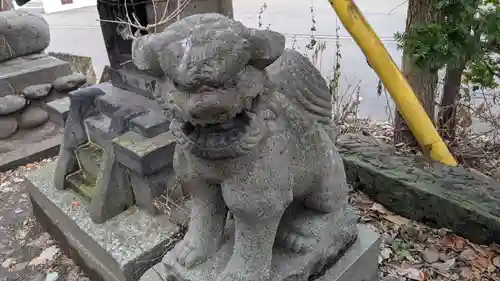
{"x": 27, "y": 146}
{"x": 23, "y": 242}
{"x": 439, "y": 195}
{"x": 359, "y": 263}
{"x": 120, "y": 249}
{"x": 58, "y": 110}
{"x": 19, "y": 73}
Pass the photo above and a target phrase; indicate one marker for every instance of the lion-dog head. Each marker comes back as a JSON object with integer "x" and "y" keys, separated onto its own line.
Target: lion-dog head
{"x": 213, "y": 81}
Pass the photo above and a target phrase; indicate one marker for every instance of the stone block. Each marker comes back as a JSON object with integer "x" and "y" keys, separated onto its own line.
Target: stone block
{"x": 134, "y": 80}
{"x": 142, "y": 155}
{"x": 116, "y": 98}
{"x": 58, "y": 110}
{"x": 150, "y": 124}
{"x": 359, "y": 263}
{"x": 439, "y": 195}
{"x": 19, "y": 73}
{"x": 81, "y": 64}
{"x": 147, "y": 189}
{"x": 121, "y": 249}
{"x": 98, "y": 129}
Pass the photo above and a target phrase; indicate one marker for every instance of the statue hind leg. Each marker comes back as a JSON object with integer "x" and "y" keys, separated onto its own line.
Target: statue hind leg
{"x": 323, "y": 217}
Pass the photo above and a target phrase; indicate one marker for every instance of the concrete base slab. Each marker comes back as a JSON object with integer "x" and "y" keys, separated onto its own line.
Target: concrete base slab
{"x": 18, "y": 73}
{"x": 359, "y": 263}
{"x": 121, "y": 249}
{"x": 27, "y": 146}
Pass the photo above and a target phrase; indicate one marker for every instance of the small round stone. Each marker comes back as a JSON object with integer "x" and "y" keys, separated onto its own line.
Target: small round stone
{"x": 11, "y": 103}
{"x": 8, "y": 126}
{"x": 35, "y": 92}
{"x": 33, "y": 117}
{"x": 70, "y": 82}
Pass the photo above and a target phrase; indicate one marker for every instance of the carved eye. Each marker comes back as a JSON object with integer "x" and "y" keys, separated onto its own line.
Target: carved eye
{"x": 176, "y": 84}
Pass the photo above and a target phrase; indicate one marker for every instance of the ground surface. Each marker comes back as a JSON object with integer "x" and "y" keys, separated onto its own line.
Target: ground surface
{"x": 410, "y": 251}
{"x": 26, "y": 252}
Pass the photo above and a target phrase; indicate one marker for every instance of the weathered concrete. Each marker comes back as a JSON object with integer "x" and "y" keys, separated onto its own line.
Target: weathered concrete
{"x": 145, "y": 156}
{"x": 121, "y": 249}
{"x": 19, "y": 73}
{"x": 442, "y": 196}
{"x": 58, "y": 110}
{"x": 149, "y": 124}
{"x": 98, "y": 129}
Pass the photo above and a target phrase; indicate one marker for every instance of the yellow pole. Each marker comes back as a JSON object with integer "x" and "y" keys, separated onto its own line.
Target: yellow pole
{"x": 394, "y": 81}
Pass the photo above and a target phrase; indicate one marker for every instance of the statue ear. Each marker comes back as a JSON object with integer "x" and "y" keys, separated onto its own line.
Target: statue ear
{"x": 145, "y": 55}
{"x": 266, "y": 47}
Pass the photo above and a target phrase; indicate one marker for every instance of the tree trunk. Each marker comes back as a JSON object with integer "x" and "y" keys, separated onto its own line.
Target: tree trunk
{"x": 422, "y": 80}
{"x": 451, "y": 96}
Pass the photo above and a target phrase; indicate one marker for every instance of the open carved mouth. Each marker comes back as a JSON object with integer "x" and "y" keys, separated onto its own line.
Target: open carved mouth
{"x": 224, "y": 139}
{"x": 232, "y": 126}
{"x": 223, "y": 131}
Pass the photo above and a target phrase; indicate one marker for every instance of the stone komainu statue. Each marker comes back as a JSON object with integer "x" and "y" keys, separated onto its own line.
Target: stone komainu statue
{"x": 254, "y": 136}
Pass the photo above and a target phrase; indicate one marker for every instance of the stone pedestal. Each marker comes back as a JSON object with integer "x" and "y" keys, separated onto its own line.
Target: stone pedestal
{"x": 359, "y": 263}
{"x": 25, "y": 94}
{"x": 120, "y": 249}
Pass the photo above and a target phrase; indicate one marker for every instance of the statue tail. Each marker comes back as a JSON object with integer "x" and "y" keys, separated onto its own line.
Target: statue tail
{"x": 298, "y": 79}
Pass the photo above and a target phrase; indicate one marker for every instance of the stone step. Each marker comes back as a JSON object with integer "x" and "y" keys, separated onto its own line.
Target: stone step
{"x": 150, "y": 124}
{"x": 97, "y": 129}
{"x": 58, "y": 110}
{"x": 134, "y": 80}
{"x": 145, "y": 156}
{"x": 89, "y": 159}
{"x": 79, "y": 183}
{"x": 19, "y": 73}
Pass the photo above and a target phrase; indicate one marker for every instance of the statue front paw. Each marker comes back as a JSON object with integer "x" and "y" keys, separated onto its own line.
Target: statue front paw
{"x": 193, "y": 251}
{"x": 295, "y": 241}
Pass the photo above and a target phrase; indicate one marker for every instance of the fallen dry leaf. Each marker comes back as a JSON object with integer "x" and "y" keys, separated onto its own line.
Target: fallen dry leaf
{"x": 47, "y": 255}
{"x": 378, "y": 208}
{"x": 468, "y": 254}
{"x": 444, "y": 267}
{"x": 41, "y": 241}
{"x": 481, "y": 262}
{"x": 430, "y": 255}
{"x": 466, "y": 273}
{"x": 496, "y": 261}
{"x": 9, "y": 263}
{"x": 410, "y": 272}
{"x": 453, "y": 242}
{"x": 386, "y": 253}
{"x": 18, "y": 267}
